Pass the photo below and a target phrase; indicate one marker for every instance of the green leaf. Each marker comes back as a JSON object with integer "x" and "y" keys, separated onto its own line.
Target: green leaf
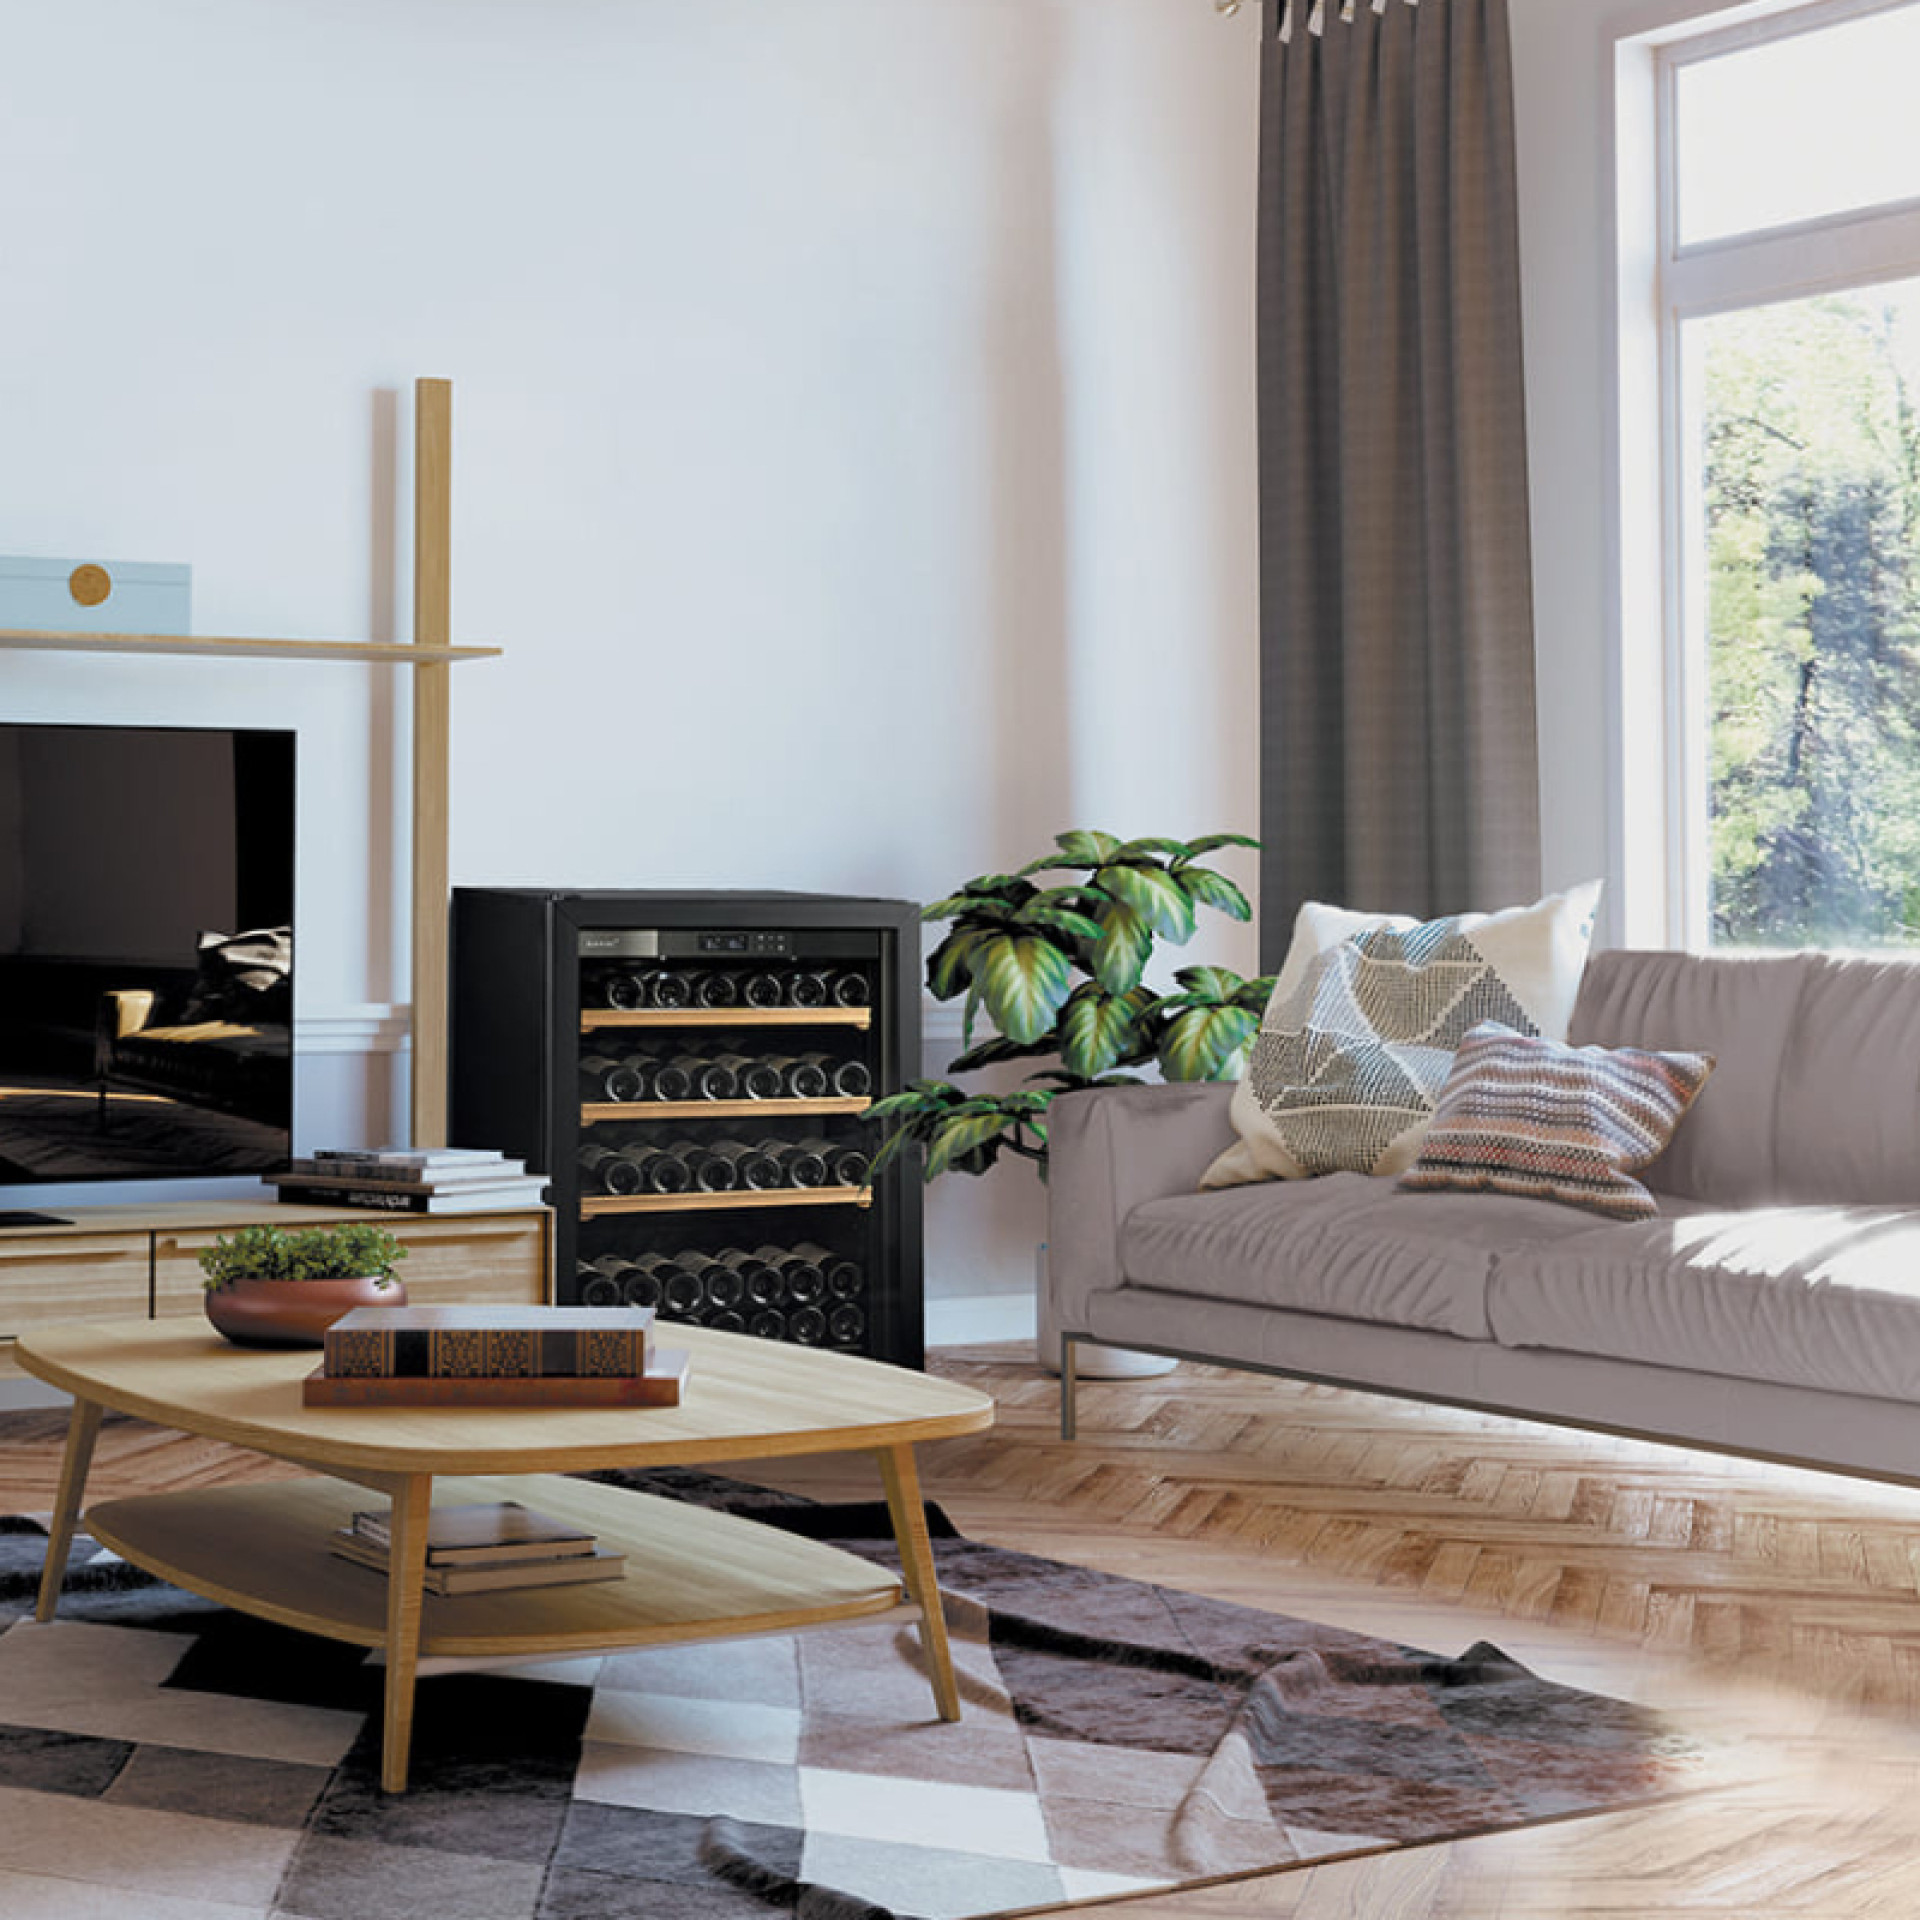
{"x": 1152, "y": 893}
{"x": 1081, "y": 926}
{"x": 1087, "y": 849}
{"x": 950, "y": 965}
{"x": 990, "y": 898}
{"x": 1120, "y": 956}
{"x": 964, "y": 1136}
{"x": 1174, "y": 849}
{"x": 1213, "y": 986}
{"x": 1212, "y": 889}
{"x": 1208, "y": 842}
{"x": 1257, "y": 992}
{"x": 1024, "y": 978}
{"x": 1204, "y": 1043}
{"x": 1099, "y": 1029}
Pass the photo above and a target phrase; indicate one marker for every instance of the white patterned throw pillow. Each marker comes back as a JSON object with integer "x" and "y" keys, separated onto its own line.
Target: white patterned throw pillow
{"x": 1364, "y": 1020}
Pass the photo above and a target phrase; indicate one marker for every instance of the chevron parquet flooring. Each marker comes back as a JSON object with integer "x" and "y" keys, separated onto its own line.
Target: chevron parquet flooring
{"x": 1776, "y": 1610}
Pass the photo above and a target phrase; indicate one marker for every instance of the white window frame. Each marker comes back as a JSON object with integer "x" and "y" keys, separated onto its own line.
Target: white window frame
{"x": 1657, "y": 756}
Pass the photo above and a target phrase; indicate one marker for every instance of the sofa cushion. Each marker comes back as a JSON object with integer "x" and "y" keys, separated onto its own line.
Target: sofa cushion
{"x": 1349, "y": 1244}
{"x": 1520, "y": 1114}
{"x": 1846, "y": 1122}
{"x": 1364, "y": 1019}
{"x": 1825, "y": 1297}
{"x": 1740, "y": 1008}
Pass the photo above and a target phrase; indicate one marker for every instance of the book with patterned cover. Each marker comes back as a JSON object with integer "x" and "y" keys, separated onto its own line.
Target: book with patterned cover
{"x": 488, "y": 1342}
{"x": 661, "y": 1385}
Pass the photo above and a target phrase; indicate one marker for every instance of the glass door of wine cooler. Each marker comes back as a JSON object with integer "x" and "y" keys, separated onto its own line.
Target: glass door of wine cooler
{"x": 721, "y": 1167}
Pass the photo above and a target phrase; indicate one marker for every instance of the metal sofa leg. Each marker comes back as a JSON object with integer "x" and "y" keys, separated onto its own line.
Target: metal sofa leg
{"x": 1068, "y": 1385}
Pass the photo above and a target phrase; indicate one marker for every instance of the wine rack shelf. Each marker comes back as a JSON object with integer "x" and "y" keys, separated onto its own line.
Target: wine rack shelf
{"x": 860, "y": 1018}
{"x": 593, "y": 1206}
{"x": 595, "y": 1111}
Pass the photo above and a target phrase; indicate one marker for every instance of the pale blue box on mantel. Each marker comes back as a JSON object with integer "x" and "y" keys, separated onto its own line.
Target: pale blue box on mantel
{"x": 96, "y": 596}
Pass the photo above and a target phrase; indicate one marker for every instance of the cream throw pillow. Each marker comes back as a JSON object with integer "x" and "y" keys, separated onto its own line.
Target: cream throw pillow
{"x": 1364, "y": 1020}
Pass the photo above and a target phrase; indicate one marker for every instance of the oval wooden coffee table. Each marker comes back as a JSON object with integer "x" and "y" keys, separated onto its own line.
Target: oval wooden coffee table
{"x": 691, "y": 1574}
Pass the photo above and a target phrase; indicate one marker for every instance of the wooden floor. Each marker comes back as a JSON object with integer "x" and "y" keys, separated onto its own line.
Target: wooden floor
{"x": 1774, "y": 1610}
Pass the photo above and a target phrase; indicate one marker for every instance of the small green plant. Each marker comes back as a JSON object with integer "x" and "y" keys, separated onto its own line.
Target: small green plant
{"x": 1059, "y": 970}
{"x": 350, "y": 1251}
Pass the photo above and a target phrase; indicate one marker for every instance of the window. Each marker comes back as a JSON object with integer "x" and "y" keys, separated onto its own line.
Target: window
{"x": 1770, "y": 483}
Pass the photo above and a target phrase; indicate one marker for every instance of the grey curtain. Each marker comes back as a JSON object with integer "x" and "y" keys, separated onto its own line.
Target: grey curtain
{"x": 1397, "y": 712}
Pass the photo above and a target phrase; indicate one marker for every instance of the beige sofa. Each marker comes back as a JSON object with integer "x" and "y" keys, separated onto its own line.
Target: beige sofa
{"x": 1772, "y": 1307}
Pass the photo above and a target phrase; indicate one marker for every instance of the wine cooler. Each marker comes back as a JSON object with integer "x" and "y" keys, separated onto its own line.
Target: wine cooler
{"x": 692, "y": 1072}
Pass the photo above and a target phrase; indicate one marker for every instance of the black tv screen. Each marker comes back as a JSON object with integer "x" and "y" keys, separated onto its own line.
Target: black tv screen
{"x": 146, "y": 952}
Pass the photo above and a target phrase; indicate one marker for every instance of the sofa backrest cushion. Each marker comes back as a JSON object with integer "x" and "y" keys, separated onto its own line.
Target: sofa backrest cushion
{"x": 1847, "y": 1121}
{"x": 1816, "y": 1097}
{"x": 1741, "y": 1008}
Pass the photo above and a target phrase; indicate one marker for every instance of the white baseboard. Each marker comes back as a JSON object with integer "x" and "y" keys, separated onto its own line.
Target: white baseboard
{"x": 976, "y": 1319}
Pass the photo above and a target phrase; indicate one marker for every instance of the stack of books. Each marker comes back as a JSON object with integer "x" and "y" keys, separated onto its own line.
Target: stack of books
{"x": 487, "y": 1545}
{"x": 412, "y": 1180}
{"x": 495, "y": 1356}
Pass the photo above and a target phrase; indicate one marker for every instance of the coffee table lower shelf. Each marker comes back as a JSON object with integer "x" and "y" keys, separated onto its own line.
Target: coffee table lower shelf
{"x": 691, "y": 1574}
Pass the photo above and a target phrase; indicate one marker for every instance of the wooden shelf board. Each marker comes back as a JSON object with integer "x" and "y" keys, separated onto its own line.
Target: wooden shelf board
{"x": 596, "y": 1205}
{"x": 616, "y": 1110}
{"x": 693, "y": 1574}
{"x": 861, "y": 1017}
{"x": 398, "y": 652}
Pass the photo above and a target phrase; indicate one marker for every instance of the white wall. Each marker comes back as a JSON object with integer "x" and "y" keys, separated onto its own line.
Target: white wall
{"x": 853, "y": 435}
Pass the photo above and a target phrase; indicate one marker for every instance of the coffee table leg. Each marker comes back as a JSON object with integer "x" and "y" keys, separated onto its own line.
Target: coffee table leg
{"x": 83, "y": 1428}
{"x": 916, "y": 1562}
{"x": 406, "y": 1570}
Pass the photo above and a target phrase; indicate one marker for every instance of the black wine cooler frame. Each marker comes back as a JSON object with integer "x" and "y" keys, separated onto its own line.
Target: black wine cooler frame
{"x": 691, "y": 1071}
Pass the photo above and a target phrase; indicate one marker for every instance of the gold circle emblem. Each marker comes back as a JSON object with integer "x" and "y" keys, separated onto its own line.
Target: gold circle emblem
{"x": 90, "y": 584}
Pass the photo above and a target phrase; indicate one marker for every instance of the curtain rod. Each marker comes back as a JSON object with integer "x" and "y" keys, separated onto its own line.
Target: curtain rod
{"x": 1228, "y": 8}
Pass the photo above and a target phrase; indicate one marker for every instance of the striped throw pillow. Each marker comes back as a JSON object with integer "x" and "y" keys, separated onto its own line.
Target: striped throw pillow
{"x": 1523, "y": 1115}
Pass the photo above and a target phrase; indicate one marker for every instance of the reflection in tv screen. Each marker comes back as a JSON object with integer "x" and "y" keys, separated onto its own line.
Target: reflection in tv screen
{"x": 146, "y": 952}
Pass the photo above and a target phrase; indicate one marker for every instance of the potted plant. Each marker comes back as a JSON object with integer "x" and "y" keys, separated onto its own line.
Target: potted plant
{"x": 1059, "y": 971}
{"x": 269, "y": 1286}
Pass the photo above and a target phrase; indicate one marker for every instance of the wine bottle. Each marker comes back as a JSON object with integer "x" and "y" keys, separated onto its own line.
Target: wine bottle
{"x": 807, "y": 989}
{"x": 668, "y": 1080}
{"x": 706, "y": 1079}
{"x": 658, "y": 1169}
{"x": 721, "y": 1288}
{"x": 709, "y": 1172}
{"x": 680, "y": 1295}
{"x": 846, "y": 1324}
{"x": 800, "y": 1079}
{"x": 754, "y": 1168}
{"x": 798, "y": 1166}
{"x": 623, "y": 991}
{"x": 801, "y": 1279}
{"x": 726, "y": 1320}
{"x": 844, "y": 1279}
{"x": 603, "y": 1076}
{"x": 846, "y": 1166}
{"x": 762, "y": 989}
{"x": 808, "y": 1325}
{"x": 761, "y": 1281}
{"x": 850, "y": 1079}
{"x": 754, "y": 1078}
{"x": 649, "y": 1278}
{"x": 713, "y": 988}
{"x": 665, "y": 988}
{"x": 767, "y": 1323}
{"x": 600, "y": 1292}
{"x": 610, "y": 1172}
{"x": 849, "y": 989}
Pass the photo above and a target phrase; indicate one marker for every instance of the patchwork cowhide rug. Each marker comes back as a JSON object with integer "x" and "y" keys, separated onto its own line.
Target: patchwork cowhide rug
{"x": 1117, "y": 1737}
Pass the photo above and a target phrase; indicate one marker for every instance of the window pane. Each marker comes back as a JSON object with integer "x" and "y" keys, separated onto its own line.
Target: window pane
{"x": 1818, "y": 123}
{"x": 1808, "y": 422}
